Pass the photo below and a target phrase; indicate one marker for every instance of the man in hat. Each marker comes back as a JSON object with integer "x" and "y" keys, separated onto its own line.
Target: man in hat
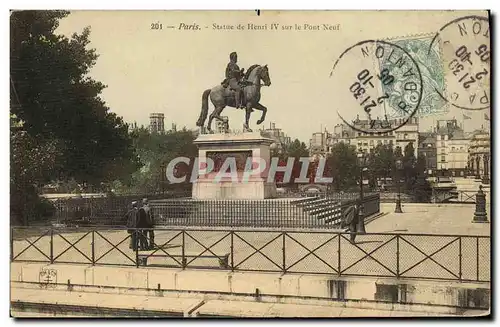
{"x": 351, "y": 219}
{"x": 132, "y": 219}
{"x": 150, "y": 223}
{"x": 234, "y": 75}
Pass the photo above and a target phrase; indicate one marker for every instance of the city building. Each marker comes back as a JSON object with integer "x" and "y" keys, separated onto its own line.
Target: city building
{"x": 427, "y": 149}
{"x": 479, "y": 155}
{"x": 321, "y": 143}
{"x": 277, "y": 134}
{"x": 157, "y": 123}
{"x": 452, "y": 148}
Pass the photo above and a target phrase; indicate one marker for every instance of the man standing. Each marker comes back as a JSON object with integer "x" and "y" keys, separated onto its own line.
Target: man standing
{"x": 131, "y": 217}
{"x": 142, "y": 224}
{"x": 352, "y": 219}
{"x": 234, "y": 74}
{"x": 150, "y": 223}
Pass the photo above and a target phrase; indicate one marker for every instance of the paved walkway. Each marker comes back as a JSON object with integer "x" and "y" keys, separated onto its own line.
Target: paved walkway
{"x": 455, "y": 219}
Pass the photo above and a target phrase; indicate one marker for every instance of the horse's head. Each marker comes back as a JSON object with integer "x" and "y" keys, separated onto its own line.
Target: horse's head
{"x": 264, "y": 75}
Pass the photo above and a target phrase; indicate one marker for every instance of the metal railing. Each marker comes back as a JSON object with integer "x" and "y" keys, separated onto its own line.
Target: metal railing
{"x": 320, "y": 211}
{"x": 307, "y": 212}
{"x": 420, "y": 256}
{"x": 453, "y": 196}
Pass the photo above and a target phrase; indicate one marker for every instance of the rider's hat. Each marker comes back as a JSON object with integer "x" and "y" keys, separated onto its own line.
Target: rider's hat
{"x": 232, "y": 54}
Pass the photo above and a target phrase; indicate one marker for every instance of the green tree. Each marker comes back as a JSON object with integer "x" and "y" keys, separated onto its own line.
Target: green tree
{"x": 61, "y": 108}
{"x": 343, "y": 166}
{"x": 155, "y": 152}
{"x": 53, "y": 94}
{"x": 382, "y": 161}
{"x": 297, "y": 149}
{"x": 409, "y": 166}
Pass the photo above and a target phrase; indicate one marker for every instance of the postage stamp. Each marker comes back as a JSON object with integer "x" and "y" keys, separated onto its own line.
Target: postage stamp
{"x": 432, "y": 71}
{"x": 385, "y": 82}
{"x": 465, "y": 44}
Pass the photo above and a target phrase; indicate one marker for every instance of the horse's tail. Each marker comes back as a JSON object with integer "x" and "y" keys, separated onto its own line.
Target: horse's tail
{"x": 204, "y": 108}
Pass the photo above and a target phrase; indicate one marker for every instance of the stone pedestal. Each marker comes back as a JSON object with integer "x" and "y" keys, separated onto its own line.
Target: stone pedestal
{"x": 235, "y": 149}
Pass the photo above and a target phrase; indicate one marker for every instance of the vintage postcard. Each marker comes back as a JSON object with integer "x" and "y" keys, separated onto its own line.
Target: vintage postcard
{"x": 250, "y": 164}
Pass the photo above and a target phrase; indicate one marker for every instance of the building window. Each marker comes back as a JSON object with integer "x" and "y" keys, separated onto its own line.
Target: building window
{"x": 371, "y": 142}
{"x": 443, "y": 159}
{"x": 442, "y": 144}
{"x": 390, "y": 142}
{"x": 405, "y": 136}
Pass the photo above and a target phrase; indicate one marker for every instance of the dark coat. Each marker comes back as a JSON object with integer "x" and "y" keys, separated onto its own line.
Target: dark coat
{"x": 131, "y": 216}
{"x": 149, "y": 215}
{"x": 351, "y": 216}
{"x": 142, "y": 221}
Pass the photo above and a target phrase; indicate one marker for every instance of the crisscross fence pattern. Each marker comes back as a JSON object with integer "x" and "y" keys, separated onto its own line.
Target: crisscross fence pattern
{"x": 420, "y": 256}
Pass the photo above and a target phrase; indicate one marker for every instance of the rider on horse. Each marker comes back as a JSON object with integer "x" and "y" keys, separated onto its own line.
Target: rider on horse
{"x": 234, "y": 76}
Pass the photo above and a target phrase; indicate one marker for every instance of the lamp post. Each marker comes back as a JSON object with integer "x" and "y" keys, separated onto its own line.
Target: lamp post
{"x": 162, "y": 178}
{"x": 486, "y": 178}
{"x": 478, "y": 173}
{"x": 399, "y": 167}
{"x": 362, "y": 162}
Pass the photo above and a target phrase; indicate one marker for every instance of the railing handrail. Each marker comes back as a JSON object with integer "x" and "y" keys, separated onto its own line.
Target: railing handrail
{"x": 242, "y": 229}
{"x": 281, "y": 264}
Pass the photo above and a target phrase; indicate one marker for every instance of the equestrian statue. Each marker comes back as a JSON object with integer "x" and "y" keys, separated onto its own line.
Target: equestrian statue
{"x": 238, "y": 90}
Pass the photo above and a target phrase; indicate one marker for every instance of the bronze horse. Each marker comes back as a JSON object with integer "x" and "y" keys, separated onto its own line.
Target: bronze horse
{"x": 222, "y": 97}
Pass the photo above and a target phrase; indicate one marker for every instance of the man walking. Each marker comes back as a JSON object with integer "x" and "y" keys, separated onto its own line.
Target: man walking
{"x": 150, "y": 223}
{"x": 131, "y": 217}
{"x": 352, "y": 219}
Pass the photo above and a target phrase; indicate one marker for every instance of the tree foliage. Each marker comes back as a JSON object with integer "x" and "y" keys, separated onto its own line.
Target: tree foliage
{"x": 382, "y": 162}
{"x": 155, "y": 152}
{"x": 63, "y": 128}
{"x": 343, "y": 166}
{"x": 57, "y": 100}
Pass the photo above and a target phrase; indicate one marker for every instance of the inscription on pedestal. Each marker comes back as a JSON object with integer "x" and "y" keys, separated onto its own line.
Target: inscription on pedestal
{"x": 219, "y": 157}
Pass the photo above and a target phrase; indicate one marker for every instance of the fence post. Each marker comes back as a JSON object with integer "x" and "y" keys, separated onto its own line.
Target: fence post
{"x": 51, "y": 246}
{"x": 232, "y": 250}
{"x": 460, "y": 258}
{"x": 93, "y": 248}
{"x": 284, "y": 254}
{"x": 338, "y": 252}
{"x": 183, "y": 259}
{"x": 397, "y": 255}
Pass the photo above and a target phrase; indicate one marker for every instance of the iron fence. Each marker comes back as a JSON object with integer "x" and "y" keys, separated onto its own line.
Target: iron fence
{"x": 320, "y": 211}
{"x": 433, "y": 196}
{"x": 421, "y": 256}
{"x": 307, "y": 212}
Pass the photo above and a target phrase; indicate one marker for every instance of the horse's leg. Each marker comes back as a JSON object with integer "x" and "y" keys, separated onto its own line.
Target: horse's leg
{"x": 248, "y": 111}
{"x": 258, "y": 106}
{"x": 218, "y": 101}
{"x": 215, "y": 114}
